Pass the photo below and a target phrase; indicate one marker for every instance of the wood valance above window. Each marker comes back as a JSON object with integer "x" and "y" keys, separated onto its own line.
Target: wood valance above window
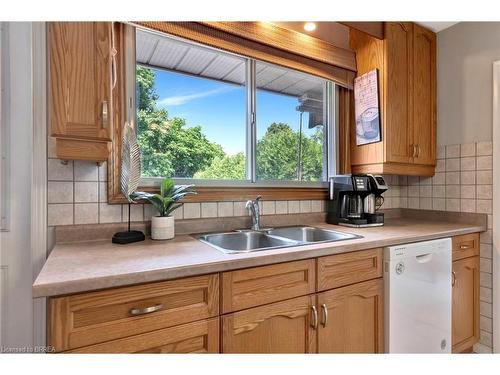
{"x": 268, "y": 42}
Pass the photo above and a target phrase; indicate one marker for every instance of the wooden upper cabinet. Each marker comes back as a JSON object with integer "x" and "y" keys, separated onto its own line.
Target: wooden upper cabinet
{"x": 406, "y": 63}
{"x": 398, "y": 77}
{"x": 281, "y": 327}
{"x": 424, "y": 95}
{"x": 80, "y": 88}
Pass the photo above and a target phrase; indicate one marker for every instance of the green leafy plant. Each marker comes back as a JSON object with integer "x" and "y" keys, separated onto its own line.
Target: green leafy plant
{"x": 167, "y": 201}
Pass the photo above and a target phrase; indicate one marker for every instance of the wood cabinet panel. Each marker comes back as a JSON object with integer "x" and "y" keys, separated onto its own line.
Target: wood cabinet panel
{"x": 196, "y": 337}
{"x": 399, "y": 92}
{"x": 465, "y": 308}
{"x": 90, "y": 318}
{"x": 281, "y": 327}
{"x": 424, "y": 95}
{"x": 251, "y": 287}
{"x": 465, "y": 246}
{"x": 343, "y": 269}
{"x": 407, "y": 90}
{"x": 355, "y": 321}
{"x": 369, "y": 56}
{"x": 80, "y": 83}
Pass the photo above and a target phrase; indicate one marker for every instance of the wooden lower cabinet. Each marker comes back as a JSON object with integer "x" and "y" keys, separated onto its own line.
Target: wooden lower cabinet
{"x": 196, "y": 337}
{"x": 352, "y": 319}
{"x": 281, "y": 327}
{"x": 465, "y": 308}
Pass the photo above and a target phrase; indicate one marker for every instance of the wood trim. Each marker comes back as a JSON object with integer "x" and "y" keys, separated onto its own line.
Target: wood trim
{"x": 346, "y": 118}
{"x": 119, "y": 102}
{"x": 395, "y": 168}
{"x": 375, "y": 29}
{"x": 219, "y": 194}
{"x": 216, "y": 38}
{"x": 290, "y": 41}
{"x": 197, "y": 32}
{"x": 79, "y": 149}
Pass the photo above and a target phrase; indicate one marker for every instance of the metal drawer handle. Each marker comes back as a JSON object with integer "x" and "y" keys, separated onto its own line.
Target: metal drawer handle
{"x": 314, "y": 322}
{"x": 465, "y": 247}
{"x": 453, "y": 278}
{"x": 325, "y": 315}
{"x": 145, "y": 310}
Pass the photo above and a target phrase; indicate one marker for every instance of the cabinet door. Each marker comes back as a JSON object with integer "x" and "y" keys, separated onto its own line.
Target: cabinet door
{"x": 424, "y": 95}
{"x": 196, "y": 337}
{"x": 281, "y": 327}
{"x": 465, "y": 309}
{"x": 351, "y": 319}
{"x": 80, "y": 79}
{"x": 398, "y": 78}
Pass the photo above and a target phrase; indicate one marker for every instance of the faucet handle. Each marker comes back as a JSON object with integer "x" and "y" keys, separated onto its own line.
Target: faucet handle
{"x": 259, "y": 197}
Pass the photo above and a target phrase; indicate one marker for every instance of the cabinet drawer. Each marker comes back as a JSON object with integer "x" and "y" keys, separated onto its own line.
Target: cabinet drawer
{"x": 196, "y": 337}
{"x": 90, "y": 318}
{"x": 343, "y": 269}
{"x": 257, "y": 286}
{"x": 465, "y": 246}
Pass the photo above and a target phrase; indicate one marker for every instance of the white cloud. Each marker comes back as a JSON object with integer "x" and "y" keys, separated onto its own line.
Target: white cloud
{"x": 183, "y": 99}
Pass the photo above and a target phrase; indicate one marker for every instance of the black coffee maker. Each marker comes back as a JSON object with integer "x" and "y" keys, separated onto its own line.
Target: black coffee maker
{"x": 354, "y": 200}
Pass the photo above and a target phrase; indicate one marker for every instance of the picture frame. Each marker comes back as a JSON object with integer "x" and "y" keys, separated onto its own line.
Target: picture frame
{"x": 367, "y": 108}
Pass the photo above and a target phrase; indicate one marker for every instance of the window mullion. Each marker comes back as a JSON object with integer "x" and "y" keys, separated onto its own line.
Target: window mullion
{"x": 251, "y": 133}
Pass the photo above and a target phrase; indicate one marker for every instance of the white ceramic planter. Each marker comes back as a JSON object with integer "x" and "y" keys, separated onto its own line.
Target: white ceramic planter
{"x": 162, "y": 227}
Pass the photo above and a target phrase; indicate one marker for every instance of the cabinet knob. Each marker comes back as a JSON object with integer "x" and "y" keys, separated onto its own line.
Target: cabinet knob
{"x": 453, "y": 278}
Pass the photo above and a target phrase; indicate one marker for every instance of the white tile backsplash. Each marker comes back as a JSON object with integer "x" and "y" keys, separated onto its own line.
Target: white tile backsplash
{"x": 60, "y": 192}
{"x": 86, "y": 192}
{"x": 86, "y": 213}
{"x": 58, "y": 170}
{"x": 86, "y": 171}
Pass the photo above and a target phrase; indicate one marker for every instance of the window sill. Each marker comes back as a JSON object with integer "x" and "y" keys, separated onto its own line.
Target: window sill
{"x": 242, "y": 193}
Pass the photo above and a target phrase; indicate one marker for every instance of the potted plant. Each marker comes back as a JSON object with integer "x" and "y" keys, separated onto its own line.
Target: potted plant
{"x": 162, "y": 225}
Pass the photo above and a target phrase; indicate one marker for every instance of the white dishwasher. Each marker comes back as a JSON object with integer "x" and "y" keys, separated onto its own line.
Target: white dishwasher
{"x": 417, "y": 280}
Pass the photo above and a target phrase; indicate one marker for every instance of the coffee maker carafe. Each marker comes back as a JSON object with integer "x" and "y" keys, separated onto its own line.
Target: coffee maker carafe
{"x": 354, "y": 200}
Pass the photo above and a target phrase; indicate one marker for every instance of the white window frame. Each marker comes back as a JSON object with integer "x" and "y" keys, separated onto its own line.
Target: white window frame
{"x": 330, "y": 94}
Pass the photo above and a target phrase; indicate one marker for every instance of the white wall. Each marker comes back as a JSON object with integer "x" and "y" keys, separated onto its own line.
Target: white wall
{"x": 465, "y": 53}
{"x": 15, "y": 244}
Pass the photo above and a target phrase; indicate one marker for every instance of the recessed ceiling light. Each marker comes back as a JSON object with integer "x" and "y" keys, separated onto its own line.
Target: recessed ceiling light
{"x": 309, "y": 26}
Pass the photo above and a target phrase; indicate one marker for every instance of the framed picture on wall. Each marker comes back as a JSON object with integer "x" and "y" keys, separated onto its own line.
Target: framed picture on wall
{"x": 366, "y": 108}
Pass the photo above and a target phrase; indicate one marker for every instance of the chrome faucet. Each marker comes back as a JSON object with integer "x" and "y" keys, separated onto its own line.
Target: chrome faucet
{"x": 253, "y": 207}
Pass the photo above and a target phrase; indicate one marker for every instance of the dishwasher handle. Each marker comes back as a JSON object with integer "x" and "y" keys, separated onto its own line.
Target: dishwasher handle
{"x": 424, "y": 258}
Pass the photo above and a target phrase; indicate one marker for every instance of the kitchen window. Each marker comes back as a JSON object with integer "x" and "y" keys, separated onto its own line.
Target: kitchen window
{"x": 205, "y": 116}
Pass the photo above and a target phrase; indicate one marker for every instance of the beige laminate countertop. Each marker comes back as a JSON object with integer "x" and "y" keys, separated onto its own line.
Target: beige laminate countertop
{"x": 93, "y": 265}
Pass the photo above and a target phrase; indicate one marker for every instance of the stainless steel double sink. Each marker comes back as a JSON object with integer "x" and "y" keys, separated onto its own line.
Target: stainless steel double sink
{"x": 246, "y": 241}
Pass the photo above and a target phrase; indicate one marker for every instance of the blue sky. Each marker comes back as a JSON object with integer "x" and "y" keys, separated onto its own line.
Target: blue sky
{"x": 220, "y": 108}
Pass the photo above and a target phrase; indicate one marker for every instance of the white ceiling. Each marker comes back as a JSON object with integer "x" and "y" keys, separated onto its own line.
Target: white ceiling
{"x": 437, "y": 26}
